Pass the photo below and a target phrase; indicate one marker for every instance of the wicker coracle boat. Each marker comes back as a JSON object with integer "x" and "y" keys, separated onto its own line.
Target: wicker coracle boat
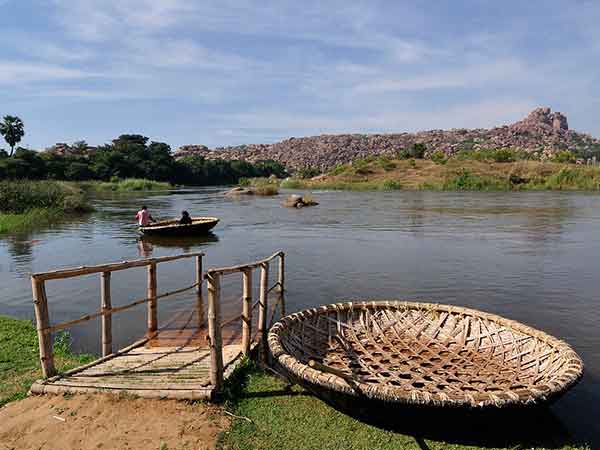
{"x": 199, "y": 225}
{"x": 422, "y": 354}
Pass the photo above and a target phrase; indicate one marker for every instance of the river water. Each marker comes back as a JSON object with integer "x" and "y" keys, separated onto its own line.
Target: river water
{"x": 532, "y": 257}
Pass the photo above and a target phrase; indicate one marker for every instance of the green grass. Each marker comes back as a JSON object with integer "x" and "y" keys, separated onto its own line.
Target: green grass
{"x": 19, "y": 357}
{"x": 571, "y": 178}
{"x": 467, "y": 181}
{"x": 261, "y": 185}
{"x": 28, "y": 204}
{"x": 282, "y": 419}
{"x": 126, "y": 185}
{"x": 31, "y": 219}
{"x": 292, "y": 183}
{"x": 20, "y": 196}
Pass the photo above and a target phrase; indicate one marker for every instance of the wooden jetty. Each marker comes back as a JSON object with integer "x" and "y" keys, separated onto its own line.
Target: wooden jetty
{"x": 182, "y": 359}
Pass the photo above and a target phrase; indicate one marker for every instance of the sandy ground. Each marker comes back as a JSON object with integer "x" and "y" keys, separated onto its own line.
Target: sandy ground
{"x": 108, "y": 422}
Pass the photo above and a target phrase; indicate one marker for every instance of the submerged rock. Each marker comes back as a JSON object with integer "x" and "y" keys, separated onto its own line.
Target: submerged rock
{"x": 239, "y": 191}
{"x": 297, "y": 201}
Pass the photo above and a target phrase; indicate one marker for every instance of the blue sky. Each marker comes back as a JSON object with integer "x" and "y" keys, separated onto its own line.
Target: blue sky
{"x": 232, "y": 72}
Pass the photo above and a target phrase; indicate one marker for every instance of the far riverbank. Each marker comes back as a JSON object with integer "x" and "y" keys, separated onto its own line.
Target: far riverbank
{"x": 452, "y": 175}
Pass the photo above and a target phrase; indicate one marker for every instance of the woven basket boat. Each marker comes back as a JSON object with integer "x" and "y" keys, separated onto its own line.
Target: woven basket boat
{"x": 422, "y": 354}
{"x": 199, "y": 225}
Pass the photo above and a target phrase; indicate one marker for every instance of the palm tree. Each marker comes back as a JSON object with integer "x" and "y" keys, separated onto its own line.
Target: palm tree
{"x": 13, "y": 130}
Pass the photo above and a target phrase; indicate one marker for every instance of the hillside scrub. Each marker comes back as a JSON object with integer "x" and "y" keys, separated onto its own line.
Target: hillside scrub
{"x": 456, "y": 173}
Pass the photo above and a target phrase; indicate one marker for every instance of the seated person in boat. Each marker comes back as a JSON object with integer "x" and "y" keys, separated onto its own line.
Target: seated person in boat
{"x": 185, "y": 218}
{"x": 144, "y": 217}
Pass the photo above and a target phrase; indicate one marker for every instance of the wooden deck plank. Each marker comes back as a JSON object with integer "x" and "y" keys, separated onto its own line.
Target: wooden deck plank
{"x": 152, "y": 372}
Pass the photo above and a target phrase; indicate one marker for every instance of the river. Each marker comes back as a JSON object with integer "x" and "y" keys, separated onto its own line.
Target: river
{"x": 530, "y": 256}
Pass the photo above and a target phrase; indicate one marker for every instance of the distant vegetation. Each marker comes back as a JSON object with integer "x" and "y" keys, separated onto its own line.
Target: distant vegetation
{"x": 26, "y": 204}
{"x": 126, "y": 185}
{"x": 489, "y": 170}
{"x": 128, "y": 156}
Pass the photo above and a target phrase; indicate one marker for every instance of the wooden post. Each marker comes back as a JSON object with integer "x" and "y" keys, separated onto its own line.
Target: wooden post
{"x": 281, "y": 283}
{"x": 40, "y": 304}
{"x": 199, "y": 298}
{"x": 152, "y": 313}
{"x": 247, "y": 311}
{"x": 214, "y": 330}
{"x": 263, "y": 308}
{"x": 106, "y": 318}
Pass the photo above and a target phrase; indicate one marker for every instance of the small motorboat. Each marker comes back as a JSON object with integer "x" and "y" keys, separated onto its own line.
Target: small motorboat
{"x": 199, "y": 225}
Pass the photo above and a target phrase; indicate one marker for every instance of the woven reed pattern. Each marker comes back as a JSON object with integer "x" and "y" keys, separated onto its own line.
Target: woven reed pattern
{"x": 423, "y": 353}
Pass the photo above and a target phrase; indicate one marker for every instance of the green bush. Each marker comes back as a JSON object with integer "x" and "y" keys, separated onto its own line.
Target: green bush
{"x": 339, "y": 169}
{"x": 292, "y": 183}
{"x": 439, "y": 157}
{"x": 467, "y": 181}
{"x": 504, "y": 155}
{"x": 403, "y": 154}
{"x": 565, "y": 156}
{"x": 413, "y": 164}
{"x": 390, "y": 185}
{"x": 18, "y": 197}
{"x": 417, "y": 151}
{"x": 361, "y": 166}
{"x": 385, "y": 163}
{"x": 307, "y": 172}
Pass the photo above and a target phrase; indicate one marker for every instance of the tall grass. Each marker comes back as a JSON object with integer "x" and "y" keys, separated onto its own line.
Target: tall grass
{"x": 261, "y": 185}
{"x": 127, "y": 184}
{"x": 18, "y": 197}
{"x": 292, "y": 183}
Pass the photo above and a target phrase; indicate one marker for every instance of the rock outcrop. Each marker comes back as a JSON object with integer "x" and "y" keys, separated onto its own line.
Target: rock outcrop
{"x": 64, "y": 149}
{"x": 542, "y": 131}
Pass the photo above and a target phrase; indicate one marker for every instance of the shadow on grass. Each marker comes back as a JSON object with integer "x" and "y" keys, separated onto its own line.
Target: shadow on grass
{"x": 529, "y": 427}
{"x": 536, "y": 427}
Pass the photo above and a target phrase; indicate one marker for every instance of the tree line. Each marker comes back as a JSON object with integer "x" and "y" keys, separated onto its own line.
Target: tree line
{"x": 128, "y": 156}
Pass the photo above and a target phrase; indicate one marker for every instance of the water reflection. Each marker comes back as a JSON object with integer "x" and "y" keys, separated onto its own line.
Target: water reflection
{"x": 147, "y": 244}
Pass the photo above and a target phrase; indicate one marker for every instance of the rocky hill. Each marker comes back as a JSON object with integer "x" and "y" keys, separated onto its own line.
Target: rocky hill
{"x": 542, "y": 131}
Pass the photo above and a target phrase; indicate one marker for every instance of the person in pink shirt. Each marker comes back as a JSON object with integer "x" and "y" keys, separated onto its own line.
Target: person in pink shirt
{"x": 144, "y": 217}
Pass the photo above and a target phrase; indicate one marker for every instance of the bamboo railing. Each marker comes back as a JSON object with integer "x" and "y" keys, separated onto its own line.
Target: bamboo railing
{"x": 213, "y": 278}
{"x": 40, "y": 302}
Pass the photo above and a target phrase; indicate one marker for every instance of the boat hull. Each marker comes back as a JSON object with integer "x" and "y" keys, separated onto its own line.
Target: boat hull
{"x": 199, "y": 226}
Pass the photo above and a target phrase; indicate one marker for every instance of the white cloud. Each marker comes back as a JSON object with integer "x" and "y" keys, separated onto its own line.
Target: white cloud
{"x": 464, "y": 77}
{"x": 23, "y": 72}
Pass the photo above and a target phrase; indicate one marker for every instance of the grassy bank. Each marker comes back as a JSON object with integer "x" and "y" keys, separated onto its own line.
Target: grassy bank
{"x": 19, "y": 357}
{"x": 271, "y": 416}
{"x": 453, "y": 174}
{"x": 261, "y": 185}
{"x": 31, "y": 219}
{"x": 28, "y": 204}
{"x": 125, "y": 185}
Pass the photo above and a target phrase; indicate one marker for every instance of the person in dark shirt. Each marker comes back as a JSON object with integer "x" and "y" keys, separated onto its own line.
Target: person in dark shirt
{"x": 185, "y": 218}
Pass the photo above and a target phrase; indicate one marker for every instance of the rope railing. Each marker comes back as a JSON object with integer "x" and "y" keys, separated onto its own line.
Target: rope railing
{"x": 40, "y": 301}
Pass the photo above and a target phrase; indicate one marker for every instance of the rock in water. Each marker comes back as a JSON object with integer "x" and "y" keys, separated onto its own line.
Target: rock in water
{"x": 296, "y": 201}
